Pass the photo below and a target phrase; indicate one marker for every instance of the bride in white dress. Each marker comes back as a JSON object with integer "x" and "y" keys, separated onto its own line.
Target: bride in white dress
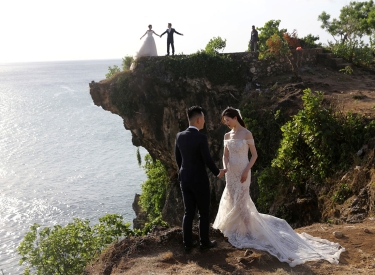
{"x": 238, "y": 218}
{"x": 148, "y": 48}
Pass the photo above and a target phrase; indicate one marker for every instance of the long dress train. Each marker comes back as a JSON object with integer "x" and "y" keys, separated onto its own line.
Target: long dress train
{"x": 245, "y": 227}
{"x": 148, "y": 48}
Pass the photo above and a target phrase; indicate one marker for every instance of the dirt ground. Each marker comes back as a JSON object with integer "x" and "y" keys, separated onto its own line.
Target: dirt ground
{"x": 354, "y": 92}
{"x": 162, "y": 252}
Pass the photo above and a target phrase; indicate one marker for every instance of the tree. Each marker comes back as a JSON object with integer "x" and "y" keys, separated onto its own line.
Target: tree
{"x": 215, "y": 44}
{"x": 270, "y": 28}
{"x": 356, "y": 21}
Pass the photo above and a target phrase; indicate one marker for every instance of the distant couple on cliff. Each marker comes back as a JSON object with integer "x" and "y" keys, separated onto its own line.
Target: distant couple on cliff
{"x": 237, "y": 217}
{"x": 148, "y": 47}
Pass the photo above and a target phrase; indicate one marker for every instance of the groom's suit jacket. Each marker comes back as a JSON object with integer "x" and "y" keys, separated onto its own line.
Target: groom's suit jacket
{"x": 170, "y": 34}
{"x": 192, "y": 156}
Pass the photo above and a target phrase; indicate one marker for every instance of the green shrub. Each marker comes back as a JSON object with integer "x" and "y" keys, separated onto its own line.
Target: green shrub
{"x": 359, "y": 54}
{"x": 112, "y": 71}
{"x": 315, "y": 143}
{"x": 218, "y": 69}
{"x": 127, "y": 62}
{"x": 342, "y": 193}
{"x": 154, "y": 188}
{"x": 215, "y": 44}
{"x": 66, "y": 250}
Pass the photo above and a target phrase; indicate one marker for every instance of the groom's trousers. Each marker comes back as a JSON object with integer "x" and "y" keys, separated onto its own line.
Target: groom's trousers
{"x": 170, "y": 43}
{"x": 196, "y": 195}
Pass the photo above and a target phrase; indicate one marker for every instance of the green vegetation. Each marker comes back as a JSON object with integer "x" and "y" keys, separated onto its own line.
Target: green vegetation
{"x": 122, "y": 96}
{"x": 271, "y": 28}
{"x": 112, "y": 71}
{"x": 315, "y": 143}
{"x": 127, "y": 62}
{"x": 356, "y": 22}
{"x": 215, "y": 44}
{"x": 309, "y": 41}
{"x": 342, "y": 194}
{"x": 67, "y": 249}
{"x": 347, "y": 70}
{"x": 218, "y": 69}
{"x": 154, "y": 188}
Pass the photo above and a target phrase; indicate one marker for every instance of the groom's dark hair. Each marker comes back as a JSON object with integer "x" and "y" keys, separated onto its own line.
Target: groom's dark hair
{"x": 194, "y": 111}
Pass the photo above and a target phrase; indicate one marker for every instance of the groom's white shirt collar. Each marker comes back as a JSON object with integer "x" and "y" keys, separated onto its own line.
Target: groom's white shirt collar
{"x": 193, "y": 127}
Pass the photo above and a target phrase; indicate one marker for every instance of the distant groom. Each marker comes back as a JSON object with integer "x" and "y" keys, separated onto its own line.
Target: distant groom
{"x": 170, "y": 32}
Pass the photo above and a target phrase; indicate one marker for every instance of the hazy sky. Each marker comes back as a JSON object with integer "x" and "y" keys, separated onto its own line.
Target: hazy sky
{"x": 45, "y": 30}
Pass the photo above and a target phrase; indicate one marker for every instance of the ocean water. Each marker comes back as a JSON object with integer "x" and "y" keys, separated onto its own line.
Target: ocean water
{"x": 61, "y": 157}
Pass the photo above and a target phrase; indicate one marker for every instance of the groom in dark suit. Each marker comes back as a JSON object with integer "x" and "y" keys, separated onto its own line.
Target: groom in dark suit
{"x": 170, "y": 32}
{"x": 192, "y": 157}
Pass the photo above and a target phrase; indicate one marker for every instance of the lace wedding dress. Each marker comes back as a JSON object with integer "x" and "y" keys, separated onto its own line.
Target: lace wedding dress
{"x": 245, "y": 227}
{"x": 148, "y": 48}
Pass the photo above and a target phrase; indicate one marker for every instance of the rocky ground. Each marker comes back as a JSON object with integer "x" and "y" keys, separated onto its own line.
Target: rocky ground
{"x": 161, "y": 252}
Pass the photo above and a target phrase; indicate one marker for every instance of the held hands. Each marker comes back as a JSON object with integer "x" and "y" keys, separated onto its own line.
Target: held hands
{"x": 222, "y": 172}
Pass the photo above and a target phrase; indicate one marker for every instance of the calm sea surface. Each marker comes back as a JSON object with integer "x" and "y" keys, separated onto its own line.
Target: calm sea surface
{"x": 61, "y": 156}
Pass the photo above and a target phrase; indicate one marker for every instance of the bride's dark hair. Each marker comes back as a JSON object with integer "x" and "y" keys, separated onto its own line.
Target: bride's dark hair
{"x": 232, "y": 113}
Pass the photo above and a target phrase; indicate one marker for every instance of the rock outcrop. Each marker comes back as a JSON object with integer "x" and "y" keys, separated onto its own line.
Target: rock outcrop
{"x": 153, "y": 99}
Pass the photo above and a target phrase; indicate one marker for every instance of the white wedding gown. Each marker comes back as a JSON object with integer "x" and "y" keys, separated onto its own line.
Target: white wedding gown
{"x": 239, "y": 220}
{"x": 148, "y": 48}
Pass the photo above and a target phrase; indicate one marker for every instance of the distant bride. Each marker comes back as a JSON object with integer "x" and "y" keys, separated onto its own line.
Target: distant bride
{"x": 148, "y": 47}
{"x": 239, "y": 220}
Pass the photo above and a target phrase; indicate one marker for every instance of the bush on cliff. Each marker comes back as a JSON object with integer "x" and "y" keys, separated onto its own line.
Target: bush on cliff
{"x": 316, "y": 142}
{"x": 215, "y": 44}
{"x": 67, "y": 249}
{"x": 154, "y": 189}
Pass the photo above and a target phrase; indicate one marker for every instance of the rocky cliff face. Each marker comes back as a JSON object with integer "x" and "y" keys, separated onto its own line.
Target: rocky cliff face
{"x": 153, "y": 99}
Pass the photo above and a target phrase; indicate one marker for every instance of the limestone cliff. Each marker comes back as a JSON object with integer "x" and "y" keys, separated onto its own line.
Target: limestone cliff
{"x": 153, "y": 99}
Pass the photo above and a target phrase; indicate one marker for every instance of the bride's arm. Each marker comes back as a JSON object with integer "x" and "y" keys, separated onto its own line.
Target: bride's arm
{"x": 225, "y": 158}
{"x": 156, "y": 33}
{"x": 143, "y": 35}
{"x": 225, "y": 153}
{"x": 254, "y": 156}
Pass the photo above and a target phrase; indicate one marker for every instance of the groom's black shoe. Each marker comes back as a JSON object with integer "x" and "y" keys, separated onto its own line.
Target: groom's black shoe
{"x": 167, "y": 54}
{"x": 188, "y": 248}
{"x": 209, "y": 245}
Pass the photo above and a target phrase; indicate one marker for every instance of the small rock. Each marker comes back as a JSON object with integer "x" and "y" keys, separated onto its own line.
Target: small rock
{"x": 357, "y": 168}
{"x": 240, "y": 259}
{"x": 344, "y": 176}
{"x": 338, "y": 234}
{"x": 248, "y": 252}
{"x": 366, "y": 230}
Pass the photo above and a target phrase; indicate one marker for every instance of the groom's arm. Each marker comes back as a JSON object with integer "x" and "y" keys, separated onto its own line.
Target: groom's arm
{"x": 163, "y": 33}
{"x": 207, "y": 156}
{"x": 178, "y": 32}
{"x": 177, "y": 154}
